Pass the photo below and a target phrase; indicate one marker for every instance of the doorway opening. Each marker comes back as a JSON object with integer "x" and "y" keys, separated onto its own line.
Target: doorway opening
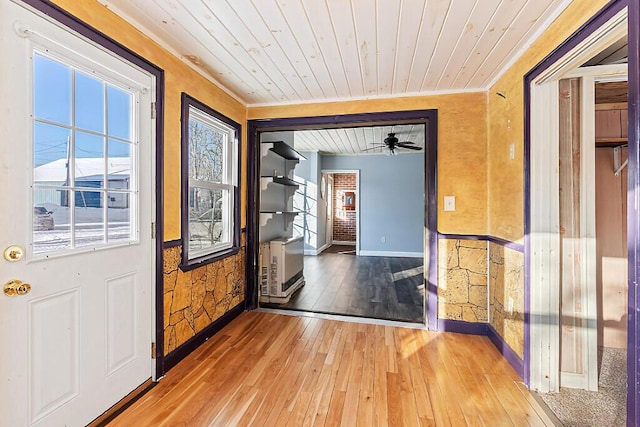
{"x": 342, "y": 214}
{"x": 576, "y": 225}
{"x": 592, "y": 381}
{"x": 348, "y": 217}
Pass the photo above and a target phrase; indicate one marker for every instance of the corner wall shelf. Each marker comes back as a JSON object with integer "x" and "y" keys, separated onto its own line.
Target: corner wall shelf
{"x": 281, "y": 255}
{"x": 282, "y": 180}
{"x": 266, "y": 216}
{"x": 283, "y": 150}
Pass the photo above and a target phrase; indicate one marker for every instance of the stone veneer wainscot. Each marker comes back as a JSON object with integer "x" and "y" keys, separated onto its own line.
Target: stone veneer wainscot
{"x": 462, "y": 280}
{"x": 506, "y": 280}
{"x": 195, "y": 299}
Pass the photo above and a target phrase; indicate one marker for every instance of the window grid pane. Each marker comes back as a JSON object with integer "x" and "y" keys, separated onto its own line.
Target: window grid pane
{"x": 51, "y": 90}
{"x": 210, "y": 159}
{"x": 89, "y": 103}
{"x": 206, "y": 152}
{"x": 208, "y": 219}
{"x": 83, "y": 181}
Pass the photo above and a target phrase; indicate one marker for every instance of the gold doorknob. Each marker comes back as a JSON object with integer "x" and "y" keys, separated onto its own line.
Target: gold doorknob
{"x": 15, "y": 287}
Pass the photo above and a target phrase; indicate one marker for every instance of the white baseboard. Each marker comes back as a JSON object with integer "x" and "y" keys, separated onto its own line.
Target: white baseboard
{"x": 315, "y": 252}
{"x": 341, "y": 242}
{"x": 392, "y": 254}
{"x": 322, "y": 248}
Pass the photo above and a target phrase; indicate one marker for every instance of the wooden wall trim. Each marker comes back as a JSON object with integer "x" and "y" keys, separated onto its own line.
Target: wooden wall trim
{"x": 516, "y": 246}
{"x": 172, "y": 244}
{"x": 611, "y": 106}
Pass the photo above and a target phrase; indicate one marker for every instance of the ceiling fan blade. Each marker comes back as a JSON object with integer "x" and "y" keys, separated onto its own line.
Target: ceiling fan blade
{"x": 374, "y": 148}
{"x": 409, "y": 147}
{"x": 405, "y": 142}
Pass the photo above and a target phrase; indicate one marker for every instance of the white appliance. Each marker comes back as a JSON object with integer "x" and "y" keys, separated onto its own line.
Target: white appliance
{"x": 281, "y": 268}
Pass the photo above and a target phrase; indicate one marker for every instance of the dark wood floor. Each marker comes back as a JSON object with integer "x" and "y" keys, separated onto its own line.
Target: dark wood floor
{"x": 338, "y": 282}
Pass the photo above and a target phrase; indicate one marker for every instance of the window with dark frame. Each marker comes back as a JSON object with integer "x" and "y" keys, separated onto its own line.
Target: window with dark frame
{"x": 210, "y": 184}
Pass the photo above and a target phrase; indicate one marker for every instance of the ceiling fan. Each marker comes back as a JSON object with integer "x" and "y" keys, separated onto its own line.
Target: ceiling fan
{"x": 392, "y": 143}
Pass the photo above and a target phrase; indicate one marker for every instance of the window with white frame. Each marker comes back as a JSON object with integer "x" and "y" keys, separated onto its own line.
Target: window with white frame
{"x": 85, "y": 143}
{"x": 210, "y": 195}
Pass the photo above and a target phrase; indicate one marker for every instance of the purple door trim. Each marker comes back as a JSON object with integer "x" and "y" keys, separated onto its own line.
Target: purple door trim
{"x": 430, "y": 117}
{"x": 633, "y": 217}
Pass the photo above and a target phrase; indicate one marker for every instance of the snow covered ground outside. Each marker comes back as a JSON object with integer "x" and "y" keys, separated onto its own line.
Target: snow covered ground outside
{"x": 62, "y": 214}
{"x": 89, "y": 228}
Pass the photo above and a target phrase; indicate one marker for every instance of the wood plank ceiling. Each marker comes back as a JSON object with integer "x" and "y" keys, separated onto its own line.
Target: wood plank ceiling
{"x": 267, "y": 52}
{"x": 361, "y": 140}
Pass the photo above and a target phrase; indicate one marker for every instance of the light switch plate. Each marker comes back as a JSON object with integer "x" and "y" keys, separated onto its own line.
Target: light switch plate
{"x": 449, "y": 203}
{"x": 512, "y": 151}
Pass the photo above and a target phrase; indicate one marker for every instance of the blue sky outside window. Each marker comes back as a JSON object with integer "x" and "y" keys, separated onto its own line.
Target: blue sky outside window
{"x": 83, "y": 138}
{"x": 89, "y": 103}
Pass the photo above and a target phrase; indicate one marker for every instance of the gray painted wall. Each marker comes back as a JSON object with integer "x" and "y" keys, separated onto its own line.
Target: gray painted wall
{"x": 392, "y": 202}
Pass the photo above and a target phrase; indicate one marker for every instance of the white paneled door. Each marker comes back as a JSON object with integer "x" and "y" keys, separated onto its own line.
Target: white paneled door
{"x": 76, "y": 181}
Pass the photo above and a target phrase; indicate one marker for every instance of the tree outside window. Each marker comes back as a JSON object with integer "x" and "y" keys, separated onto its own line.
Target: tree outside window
{"x": 210, "y": 189}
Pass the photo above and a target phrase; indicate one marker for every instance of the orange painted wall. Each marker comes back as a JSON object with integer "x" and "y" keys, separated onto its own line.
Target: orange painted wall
{"x": 462, "y": 148}
{"x": 179, "y": 78}
{"x": 506, "y": 124}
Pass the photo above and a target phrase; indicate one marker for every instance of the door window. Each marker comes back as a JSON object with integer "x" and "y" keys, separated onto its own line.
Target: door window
{"x": 84, "y": 151}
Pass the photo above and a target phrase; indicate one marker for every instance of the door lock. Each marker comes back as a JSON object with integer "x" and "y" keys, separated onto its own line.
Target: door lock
{"x": 15, "y": 288}
{"x": 13, "y": 253}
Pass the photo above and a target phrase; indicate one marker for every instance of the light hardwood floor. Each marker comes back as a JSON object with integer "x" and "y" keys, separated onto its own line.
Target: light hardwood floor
{"x": 276, "y": 370}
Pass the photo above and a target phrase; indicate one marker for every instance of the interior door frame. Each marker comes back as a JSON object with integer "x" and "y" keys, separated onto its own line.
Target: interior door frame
{"x": 356, "y": 172}
{"x": 541, "y": 312}
{"x": 329, "y": 183}
{"x": 75, "y": 24}
{"x": 427, "y": 117}
{"x": 544, "y": 228}
{"x": 545, "y": 98}
{"x": 633, "y": 216}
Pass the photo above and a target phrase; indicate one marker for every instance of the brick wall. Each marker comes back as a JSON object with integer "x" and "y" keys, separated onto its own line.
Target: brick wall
{"x": 344, "y": 222}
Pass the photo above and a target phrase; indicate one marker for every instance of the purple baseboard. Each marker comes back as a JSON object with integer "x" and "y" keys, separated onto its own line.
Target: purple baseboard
{"x": 484, "y": 329}
{"x": 458, "y": 326}
{"x": 514, "y": 360}
{"x": 172, "y": 359}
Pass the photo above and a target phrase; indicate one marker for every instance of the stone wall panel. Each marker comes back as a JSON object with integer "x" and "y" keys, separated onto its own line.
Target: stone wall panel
{"x": 507, "y": 281}
{"x": 195, "y": 299}
{"x": 462, "y": 280}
